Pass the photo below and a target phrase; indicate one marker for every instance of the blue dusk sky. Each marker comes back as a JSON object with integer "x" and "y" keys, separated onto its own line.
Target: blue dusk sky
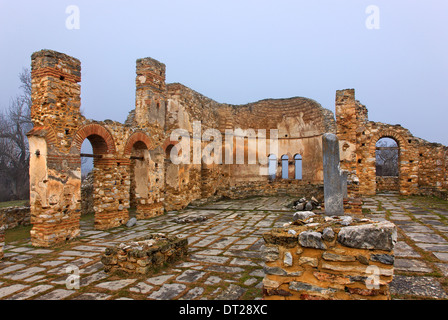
{"x": 395, "y": 57}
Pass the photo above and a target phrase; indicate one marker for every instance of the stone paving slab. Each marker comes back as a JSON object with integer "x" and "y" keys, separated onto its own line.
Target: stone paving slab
{"x": 402, "y": 249}
{"x": 31, "y": 292}
{"x": 411, "y": 265}
{"x": 225, "y": 255}
{"x": 8, "y": 290}
{"x": 425, "y": 287}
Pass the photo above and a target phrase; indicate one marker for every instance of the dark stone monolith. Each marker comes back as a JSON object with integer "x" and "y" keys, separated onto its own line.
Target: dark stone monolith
{"x": 334, "y": 178}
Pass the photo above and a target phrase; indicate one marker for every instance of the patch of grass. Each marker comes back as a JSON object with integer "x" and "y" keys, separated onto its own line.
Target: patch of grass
{"x": 428, "y": 202}
{"x": 366, "y": 211}
{"x": 388, "y": 214}
{"x": 15, "y": 203}
{"x": 88, "y": 217}
{"x": 19, "y": 233}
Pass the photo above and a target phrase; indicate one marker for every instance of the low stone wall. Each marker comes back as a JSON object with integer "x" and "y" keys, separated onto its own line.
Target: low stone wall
{"x": 353, "y": 206}
{"x": 2, "y": 241}
{"x": 296, "y": 188}
{"x": 12, "y": 217}
{"x": 144, "y": 255}
{"x": 433, "y": 192}
{"x": 329, "y": 258}
{"x": 387, "y": 184}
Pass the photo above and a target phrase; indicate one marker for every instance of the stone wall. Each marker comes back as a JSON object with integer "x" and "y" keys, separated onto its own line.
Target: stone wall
{"x": 132, "y": 164}
{"x": 421, "y": 164}
{"x": 300, "y": 123}
{"x": 329, "y": 258}
{"x": 144, "y": 255}
{"x": 12, "y": 217}
{"x": 384, "y": 183}
{"x": 296, "y": 188}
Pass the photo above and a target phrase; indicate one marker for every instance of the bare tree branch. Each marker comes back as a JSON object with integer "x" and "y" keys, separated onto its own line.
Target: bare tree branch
{"x": 14, "y": 150}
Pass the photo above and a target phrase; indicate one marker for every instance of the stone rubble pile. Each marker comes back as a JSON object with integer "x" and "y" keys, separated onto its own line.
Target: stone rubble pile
{"x": 191, "y": 219}
{"x": 317, "y": 257}
{"x": 144, "y": 255}
{"x": 306, "y": 205}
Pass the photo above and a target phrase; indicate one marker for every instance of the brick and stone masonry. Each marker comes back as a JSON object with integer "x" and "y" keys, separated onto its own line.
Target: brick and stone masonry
{"x": 329, "y": 258}
{"x": 132, "y": 166}
{"x": 144, "y": 255}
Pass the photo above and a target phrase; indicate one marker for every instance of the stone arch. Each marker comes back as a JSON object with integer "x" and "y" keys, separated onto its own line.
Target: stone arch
{"x": 167, "y": 146}
{"x": 100, "y": 138}
{"x": 398, "y": 183}
{"x": 137, "y": 137}
{"x": 386, "y": 134}
{"x": 298, "y": 166}
{"x": 44, "y": 131}
{"x": 387, "y": 157}
{"x": 285, "y": 165}
{"x": 272, "y": 166}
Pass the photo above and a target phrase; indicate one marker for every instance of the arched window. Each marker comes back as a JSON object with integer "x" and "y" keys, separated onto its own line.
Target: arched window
{"x": 298, "y": 167}
{"x": 272, "y": 169}
{"x": 387, "y": 153}
{"x": 285, "y": 169}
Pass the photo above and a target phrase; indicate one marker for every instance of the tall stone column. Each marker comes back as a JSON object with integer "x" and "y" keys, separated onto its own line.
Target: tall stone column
{"x": 150, "y": 96}
{"x": 333, "y": 176}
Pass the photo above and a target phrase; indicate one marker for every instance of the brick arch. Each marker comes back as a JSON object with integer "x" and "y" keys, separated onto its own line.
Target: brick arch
{"x": 47, "y": 132}
{"x": 137, "y": 137}
{"x": 100, "y": 138}
{"x": 387, "y": 134}
{"x": 168, "y": 142}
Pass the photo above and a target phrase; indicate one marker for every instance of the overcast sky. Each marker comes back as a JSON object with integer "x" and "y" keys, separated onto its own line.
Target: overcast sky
{"x": 244, "y": 51}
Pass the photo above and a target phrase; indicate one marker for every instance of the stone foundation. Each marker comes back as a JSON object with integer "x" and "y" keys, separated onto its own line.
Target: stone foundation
{"x": 387, "y": 184}
{"x": 353, "y": 205}
{"x": 144, "y": 255}
{"x": 146, "y": 211}
{"x": 433, "y": 192}
{"x": 329, "y": 258}
{"x": 15, "y": 216}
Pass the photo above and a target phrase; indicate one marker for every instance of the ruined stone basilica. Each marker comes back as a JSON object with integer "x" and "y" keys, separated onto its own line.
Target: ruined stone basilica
{"x": 132, "y": 166}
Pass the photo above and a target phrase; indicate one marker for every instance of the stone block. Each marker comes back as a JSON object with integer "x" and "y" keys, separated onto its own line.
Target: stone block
{"x": 310, "y": 266}
{"x": 144, "y": 255}
{"x": 379, "y": 236}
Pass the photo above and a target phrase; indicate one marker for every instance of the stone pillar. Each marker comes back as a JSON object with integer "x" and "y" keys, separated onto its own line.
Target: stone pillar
{"x": 150, "y": 96}
{"x": 111, "y": 192}
{"x": 330, "y": 258}
{"x": 55, "y": 173}
{"x": 333, "y": 176}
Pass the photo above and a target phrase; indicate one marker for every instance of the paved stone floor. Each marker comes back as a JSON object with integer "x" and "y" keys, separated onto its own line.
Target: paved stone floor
{"x": 224, "y": 261}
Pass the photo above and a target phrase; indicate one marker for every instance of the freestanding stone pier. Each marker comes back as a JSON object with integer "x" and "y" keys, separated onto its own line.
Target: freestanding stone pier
{"x": 335, "y": 180}
{"x": 329, "y": 258}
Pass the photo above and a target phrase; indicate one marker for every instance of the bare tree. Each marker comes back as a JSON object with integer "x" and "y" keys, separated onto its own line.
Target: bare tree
{"x": 15, "y": 122}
